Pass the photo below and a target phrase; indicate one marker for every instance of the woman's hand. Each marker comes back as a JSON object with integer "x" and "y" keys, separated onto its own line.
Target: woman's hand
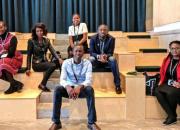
{"x": 60, "y": 61}
{"x": 176, "y": 84}
{"x": 28, "y": 72}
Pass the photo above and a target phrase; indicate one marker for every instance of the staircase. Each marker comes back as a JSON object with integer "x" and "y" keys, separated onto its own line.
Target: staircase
{"x": 109, "y": 105}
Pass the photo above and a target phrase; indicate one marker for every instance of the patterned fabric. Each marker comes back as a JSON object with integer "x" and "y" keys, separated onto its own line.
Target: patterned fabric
{"x": 10, "y": 64}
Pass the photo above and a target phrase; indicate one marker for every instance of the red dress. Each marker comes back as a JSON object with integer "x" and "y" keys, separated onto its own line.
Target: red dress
{"x": 10, "y": 64}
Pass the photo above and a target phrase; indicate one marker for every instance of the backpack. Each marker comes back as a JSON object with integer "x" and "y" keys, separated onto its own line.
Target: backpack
{"x": 151, "y": 83}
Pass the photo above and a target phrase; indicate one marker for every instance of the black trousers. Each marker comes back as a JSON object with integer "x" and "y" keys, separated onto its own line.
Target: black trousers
{"x": 168, "y": 97}
{"x": 47, "y": 67}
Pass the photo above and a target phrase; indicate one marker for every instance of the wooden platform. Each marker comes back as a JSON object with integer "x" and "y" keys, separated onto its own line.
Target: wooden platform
{"x": 133, "y": 45}
{"x": 21, "y": 106}
{"x": 149, "y": 59}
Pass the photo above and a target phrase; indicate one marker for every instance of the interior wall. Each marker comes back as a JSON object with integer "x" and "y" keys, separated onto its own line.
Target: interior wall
{"x": 166, "y": 12}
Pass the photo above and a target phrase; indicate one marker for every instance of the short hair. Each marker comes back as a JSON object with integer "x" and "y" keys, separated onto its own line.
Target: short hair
{"x": 79, "y": 46}
{"x": 176, "y": 41}
{"x": 4, "y": 23}
{"x": 103, "y": 25}
{"x": 38, "y": 25}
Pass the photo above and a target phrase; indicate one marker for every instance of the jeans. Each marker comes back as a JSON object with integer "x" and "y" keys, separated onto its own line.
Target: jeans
{"x": 87, "y": 92}
{"x": 112, "y": 63}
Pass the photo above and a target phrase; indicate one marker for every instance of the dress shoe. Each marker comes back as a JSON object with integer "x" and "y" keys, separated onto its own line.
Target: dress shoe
{"x": 118, "y": 90}
{"x": 170, "y": 121}
{"x": 44, "y": 88}
{"x": 55, "y": 126}
{"x": 10, "y": 90}
{"x": 93, "y": 127}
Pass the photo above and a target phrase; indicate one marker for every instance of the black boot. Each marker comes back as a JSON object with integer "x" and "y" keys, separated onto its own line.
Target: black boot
{"x": 18, "y": 86}
{"x": 10, "y": 90}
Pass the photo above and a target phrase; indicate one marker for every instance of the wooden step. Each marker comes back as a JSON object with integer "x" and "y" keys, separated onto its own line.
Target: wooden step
{"x": 78, "y": 109}
{"x": 139, "y": 36}
{"x": 149, "y": 59}
{"x": 147, "y": 68}
{"x": 21, "y": 106}
{"x": 44, "y": 110}
{"x": 153, "y": 50}
{"x": 154, "y": 110}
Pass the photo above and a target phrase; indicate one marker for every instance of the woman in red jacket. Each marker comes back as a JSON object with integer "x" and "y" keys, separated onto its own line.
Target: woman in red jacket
{"x": 168, "y": 92}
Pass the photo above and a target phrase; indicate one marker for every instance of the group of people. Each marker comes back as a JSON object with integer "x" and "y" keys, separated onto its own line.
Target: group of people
{"x": 76, "y": 72}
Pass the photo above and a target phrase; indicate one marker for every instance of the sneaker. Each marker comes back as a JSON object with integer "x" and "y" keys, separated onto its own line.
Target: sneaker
{"x": 93, "y": 127}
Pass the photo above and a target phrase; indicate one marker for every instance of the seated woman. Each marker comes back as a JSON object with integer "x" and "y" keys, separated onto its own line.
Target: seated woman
{"x": 77, "y": 34}
{"x": 38, "y": 46}
{"x": 10, "y": 59}
{"x": 168, "y": 92}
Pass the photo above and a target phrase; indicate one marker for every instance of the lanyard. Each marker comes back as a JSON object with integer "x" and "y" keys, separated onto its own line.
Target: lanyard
{"x": 172, "y": 69}
{"x": 3, "y": 42}
{"x": 78, "y": 75}
{"x": 102, "y": 47}
{"x": 76, "y": 33}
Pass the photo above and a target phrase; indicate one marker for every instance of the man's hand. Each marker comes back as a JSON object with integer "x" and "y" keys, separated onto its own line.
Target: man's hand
{"x": 176, "y": 84}
{"x": 60, "y": 61}
{"x": 70, "y": 91}
{"x": 28, "y": 72}
{"x": 78, "y": 89}
{"x": 103, "y": 58}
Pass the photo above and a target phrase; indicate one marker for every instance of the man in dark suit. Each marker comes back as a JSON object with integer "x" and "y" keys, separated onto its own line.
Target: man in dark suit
{"x": 101, "y": 50}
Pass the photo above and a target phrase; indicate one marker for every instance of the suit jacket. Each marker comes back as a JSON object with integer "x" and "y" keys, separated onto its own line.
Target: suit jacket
{"x": 109, "y": 45}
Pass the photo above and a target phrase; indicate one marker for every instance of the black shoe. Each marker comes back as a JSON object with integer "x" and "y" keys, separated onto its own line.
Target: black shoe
{"x": 93, "y": 127}
{"x": 55, "y": 126}
{"x": 44, "y": 88}
{"x": 170, "y": 121}
{"x": 118, "y": 90}
{"x": 165, "y": 121}
{"x": 19, "y": 86}
{"x": 10, "y": 90}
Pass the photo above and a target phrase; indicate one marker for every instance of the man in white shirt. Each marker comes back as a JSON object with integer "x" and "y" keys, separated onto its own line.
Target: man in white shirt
{"x": 75, "y": 81}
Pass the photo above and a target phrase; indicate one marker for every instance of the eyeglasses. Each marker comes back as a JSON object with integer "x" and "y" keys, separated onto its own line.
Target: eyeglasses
{"x": 176, "y": 49}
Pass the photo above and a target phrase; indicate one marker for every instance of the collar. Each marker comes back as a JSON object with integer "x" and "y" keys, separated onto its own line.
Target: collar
{"x": 72, "y": 61}
{"x": 3, "y": 36}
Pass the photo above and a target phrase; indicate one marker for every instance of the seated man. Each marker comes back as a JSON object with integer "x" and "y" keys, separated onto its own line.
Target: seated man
{"x": 101, "y": 51}
{"x": 75, "y": 81}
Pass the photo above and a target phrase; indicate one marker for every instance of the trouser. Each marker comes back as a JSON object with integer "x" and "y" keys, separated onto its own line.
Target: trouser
{"x": 7, "y": 76}
{"x": 112, "y": 63}
{"x": 168, "y": 97}
{"x": 87, "y": 92}
{"x": 47, "y": 67}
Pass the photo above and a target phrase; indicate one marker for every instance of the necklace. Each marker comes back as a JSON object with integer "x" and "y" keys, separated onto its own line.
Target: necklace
{"x": 172, "y": 69}
{"x": 77, "y": 75}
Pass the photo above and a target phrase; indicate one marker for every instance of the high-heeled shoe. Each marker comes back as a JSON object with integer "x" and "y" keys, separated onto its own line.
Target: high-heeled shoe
{"x": 44, "y": 88}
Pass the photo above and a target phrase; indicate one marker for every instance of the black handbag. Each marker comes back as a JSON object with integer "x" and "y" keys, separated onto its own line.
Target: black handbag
{"x": 152, "y": 82}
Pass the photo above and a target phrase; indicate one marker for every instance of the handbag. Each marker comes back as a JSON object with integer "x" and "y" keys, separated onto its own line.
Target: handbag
{"x": 152, "y": 82}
